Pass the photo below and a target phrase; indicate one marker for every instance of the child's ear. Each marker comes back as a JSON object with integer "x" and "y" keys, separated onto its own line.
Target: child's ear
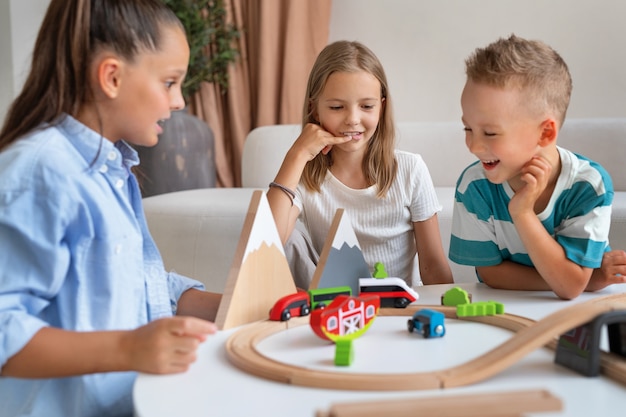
{"x": 313, "y": 111}
{"x": 549, "y": 131}
{"x": 109, "y": 72}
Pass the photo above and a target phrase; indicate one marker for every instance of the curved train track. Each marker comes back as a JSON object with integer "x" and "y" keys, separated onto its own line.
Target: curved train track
{"x": 529, "y": 335}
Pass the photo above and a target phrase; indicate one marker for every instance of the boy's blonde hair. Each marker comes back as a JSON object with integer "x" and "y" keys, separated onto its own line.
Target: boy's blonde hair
{"x": 379, "y": 164}
{"x": 528, "y": 65}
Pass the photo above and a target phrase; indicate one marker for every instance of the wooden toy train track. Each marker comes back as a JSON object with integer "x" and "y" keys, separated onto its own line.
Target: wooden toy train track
{"x": 530, "y": 335}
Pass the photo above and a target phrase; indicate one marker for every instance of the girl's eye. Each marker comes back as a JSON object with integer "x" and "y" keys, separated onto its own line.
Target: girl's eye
{"x": 467, "y": 130}
{"x": 335, "y": 107}
{"x": 489, "y": 134}
{"x": 368, "y": 106}
{"x": 169, "y": 84}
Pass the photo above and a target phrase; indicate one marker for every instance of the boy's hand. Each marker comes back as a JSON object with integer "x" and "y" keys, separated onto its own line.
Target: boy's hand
{"x": 166, "y": 345}
{"x": 612, "y": 271}
{"x": 535, "y": 174}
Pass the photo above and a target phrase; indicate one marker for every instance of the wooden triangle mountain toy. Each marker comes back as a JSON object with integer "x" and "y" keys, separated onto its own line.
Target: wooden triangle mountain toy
{"x": 259, "y": 274}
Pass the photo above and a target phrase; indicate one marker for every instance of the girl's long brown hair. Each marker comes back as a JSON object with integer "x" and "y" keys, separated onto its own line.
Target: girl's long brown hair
{"x": 72, "y": 32}
{"x": 379, "y": 163}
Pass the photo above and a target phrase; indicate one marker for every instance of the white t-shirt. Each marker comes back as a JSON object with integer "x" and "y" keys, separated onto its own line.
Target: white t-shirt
{"x": 383, "y": 226}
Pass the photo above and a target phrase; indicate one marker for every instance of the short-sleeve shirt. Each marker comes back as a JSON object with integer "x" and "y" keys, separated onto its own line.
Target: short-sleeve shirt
{"x": 578, "y": 216}
{"x": 383, "y": 226}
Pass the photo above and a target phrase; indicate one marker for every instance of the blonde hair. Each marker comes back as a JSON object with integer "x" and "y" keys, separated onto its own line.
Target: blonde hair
{"x": 531, "y": 66}
{"x": 379, "y": 164}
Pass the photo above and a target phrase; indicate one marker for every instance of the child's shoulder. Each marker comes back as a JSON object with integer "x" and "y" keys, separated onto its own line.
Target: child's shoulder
{"x": 406, "y": 157}
{"x": 470, "y": 174}
{"x": 576, "y": 168}
{"x": 42, "y": 154}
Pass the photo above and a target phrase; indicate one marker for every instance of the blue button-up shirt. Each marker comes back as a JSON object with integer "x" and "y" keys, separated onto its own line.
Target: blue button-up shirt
{"x": 75, "y": 253}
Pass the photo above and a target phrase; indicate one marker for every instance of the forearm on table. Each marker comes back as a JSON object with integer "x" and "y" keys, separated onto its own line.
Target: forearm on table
{"x": 510, "y": 275}
{"x": 54, "y": 353}
{"x": 566, "y": 278}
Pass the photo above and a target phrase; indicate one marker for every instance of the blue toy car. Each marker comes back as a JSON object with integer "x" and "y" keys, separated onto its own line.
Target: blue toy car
{"x": 429, "y": 322}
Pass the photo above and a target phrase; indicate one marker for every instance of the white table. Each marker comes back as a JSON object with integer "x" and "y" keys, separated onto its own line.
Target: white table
{"x": 214, "y": 387}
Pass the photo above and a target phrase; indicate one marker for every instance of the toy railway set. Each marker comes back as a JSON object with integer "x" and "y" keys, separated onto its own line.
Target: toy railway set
{"x": 573, "y": 332}
{"x": 529, "y": 336}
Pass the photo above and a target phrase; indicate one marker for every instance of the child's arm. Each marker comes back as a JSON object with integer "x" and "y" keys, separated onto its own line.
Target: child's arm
{"x": 566, "y": 278}
{"x": 612, "y": 271}
{"x": 510, "y": 275}
{"x": 313, "y": 140}
{"x": 197, "y": 303}
{"x": 163, "y": 346}
{"x": 433, "y": 264}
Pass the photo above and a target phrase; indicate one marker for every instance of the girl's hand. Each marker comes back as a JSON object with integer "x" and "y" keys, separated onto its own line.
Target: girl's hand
{"x": 166, "y": 345}
{"x": 314, "y": 139}
{"x": 535, "y": 174}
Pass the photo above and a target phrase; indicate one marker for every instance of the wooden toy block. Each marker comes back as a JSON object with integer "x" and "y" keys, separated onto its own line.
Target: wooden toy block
{"x": 512, "y": 404}
{"x": 480, "y": 308}
{"x": 344, "y": 353}
{"x": 455, "y": 296}
{"x": 345, "y": 318}
{"x": 260, "y": 274}
{"x": 341, "y": 260}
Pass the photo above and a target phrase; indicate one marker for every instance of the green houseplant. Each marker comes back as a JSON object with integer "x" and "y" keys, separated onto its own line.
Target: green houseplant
{"x": 211, "y": 42}
{"x": 184, "y": 157}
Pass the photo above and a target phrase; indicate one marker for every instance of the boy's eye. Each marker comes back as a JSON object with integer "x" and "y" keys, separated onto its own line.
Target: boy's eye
{"x": 467, "y": 130}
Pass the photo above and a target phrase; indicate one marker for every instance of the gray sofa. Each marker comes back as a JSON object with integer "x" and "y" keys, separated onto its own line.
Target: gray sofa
{"x": 197, "y": 231}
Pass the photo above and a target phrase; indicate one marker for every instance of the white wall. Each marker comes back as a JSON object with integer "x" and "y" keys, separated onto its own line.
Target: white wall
{"x": 19, "y": 24}
{"x": 423, "y": 44}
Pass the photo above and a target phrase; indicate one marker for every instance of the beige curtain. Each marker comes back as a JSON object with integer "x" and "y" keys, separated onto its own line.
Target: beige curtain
{"x": 279, "y": 43}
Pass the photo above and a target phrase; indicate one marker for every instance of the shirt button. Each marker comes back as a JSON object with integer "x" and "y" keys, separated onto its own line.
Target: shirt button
{"x": 118, "y": 249}
{"x": 104, "y": 169}
{"x": 111, "y": 156}
{"x": 119, "y": 183}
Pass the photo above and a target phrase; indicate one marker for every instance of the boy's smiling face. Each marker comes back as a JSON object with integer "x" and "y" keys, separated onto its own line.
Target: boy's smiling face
{"x": 500, "y": 130}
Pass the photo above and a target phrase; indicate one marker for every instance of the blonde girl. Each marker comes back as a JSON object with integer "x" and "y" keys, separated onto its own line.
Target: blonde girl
{"x": 345, "y": 157}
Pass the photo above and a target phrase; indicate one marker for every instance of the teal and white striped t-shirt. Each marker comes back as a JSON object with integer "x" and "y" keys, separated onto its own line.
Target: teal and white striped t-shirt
{"x": 578, "y": 216}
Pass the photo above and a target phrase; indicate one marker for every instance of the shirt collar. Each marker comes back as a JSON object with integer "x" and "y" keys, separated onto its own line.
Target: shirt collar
{"x": 94, "y": 147}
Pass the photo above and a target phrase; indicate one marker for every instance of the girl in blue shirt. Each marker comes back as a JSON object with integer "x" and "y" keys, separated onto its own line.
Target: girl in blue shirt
{"x": 85, "y": 301}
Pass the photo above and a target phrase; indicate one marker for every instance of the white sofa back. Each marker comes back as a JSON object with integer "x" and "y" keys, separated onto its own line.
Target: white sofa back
{"x": 442, "y": 145}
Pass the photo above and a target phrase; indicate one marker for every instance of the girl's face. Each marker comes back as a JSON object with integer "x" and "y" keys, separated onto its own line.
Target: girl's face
{"x": 350, "y": 105}
{"x": 500, "y": 130}
{"x": 150, "y": 88}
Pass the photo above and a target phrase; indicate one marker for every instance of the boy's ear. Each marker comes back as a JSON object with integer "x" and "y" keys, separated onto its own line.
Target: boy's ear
{"x": 549, "y": 131}
{"x": 109, "y": 72}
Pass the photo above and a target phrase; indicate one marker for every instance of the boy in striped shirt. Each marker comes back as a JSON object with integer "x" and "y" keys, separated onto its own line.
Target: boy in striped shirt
{"x": 529, "y": 215}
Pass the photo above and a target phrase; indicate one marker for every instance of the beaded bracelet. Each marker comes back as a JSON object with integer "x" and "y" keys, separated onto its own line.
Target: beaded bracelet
{"x": 289, "y": 192}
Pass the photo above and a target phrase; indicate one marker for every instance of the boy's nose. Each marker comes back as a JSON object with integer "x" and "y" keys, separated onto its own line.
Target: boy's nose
{"x": 473, "y": 144}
